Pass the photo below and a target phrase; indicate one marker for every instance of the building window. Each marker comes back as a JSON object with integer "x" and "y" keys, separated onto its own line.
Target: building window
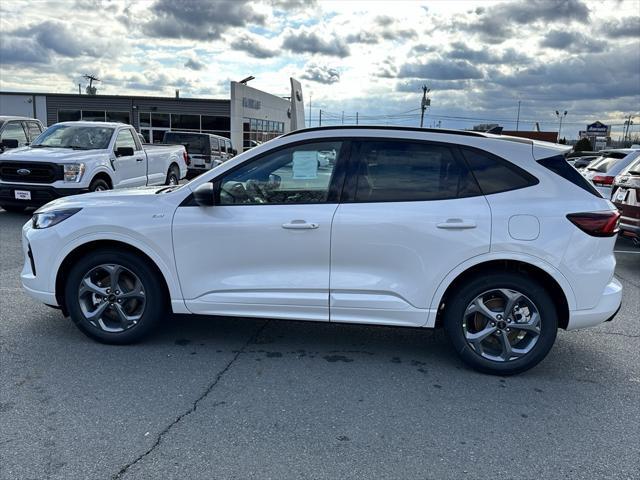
{"x": 160, "y": 120}
{"x": 255, "y": 131}
{"x": 216, "y": 123}
{"x": 69, "y": 115}
{"x": 145, "y": 119}
{"x": 93, "y": 115}
{"x": 122, "y": 117}
{"x": 185, "y": 122}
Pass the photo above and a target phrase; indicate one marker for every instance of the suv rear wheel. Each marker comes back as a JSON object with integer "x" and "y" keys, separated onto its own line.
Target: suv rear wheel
{"x": 501, "y": 324}
{"x": 114, "y": 296}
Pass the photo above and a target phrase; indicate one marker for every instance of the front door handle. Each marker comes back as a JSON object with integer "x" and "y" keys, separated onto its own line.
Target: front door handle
{"x": 139, "y": 159}
{"x": 456, "y": 224}
{"x": 299, "y": 225}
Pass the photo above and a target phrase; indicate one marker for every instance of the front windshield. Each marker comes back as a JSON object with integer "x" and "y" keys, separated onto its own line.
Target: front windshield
{"x": 78, "y": 137}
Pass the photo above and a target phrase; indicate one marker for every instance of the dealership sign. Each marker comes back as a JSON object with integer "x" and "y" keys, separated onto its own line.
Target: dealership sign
{"x": 598, "y": 128}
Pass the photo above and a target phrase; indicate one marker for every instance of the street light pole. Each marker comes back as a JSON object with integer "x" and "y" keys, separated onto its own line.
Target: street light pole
{"x": 560, "y": 116}
{"x": 518, "y": 119}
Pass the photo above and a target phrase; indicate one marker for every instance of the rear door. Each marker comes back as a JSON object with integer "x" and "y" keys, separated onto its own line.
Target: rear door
{"x": 411, "y": 212}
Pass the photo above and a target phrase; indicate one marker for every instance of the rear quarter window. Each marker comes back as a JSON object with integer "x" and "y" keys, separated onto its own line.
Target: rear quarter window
{"x": 559, "y": 166}
{"x": 495, "y": 174}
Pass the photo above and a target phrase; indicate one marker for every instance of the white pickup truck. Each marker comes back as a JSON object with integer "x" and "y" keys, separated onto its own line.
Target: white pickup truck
{"x": 75, "y": 157}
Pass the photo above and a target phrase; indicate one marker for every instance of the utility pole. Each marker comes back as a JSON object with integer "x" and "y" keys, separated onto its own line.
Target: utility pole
{"x": 425, "y": 103}
{"x": 356, "y": 118}
{"x": 309, "y": 109}
{"x": 560, "y": 116}
{"x": 342, "y": 117}
{"x": 518, "y": 119}
{"x": 320, "y": 117}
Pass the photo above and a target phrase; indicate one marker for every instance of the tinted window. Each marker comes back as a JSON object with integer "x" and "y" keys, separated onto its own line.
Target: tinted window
{"x": 14, "y": 131}
{"x": 195, "y": 144}
{"x": 495, "y": 174}
{"x": 215, "y": 145}
{"x": 160, "y": 120}
{"x": 215, "y": 123}
{"x": 559, "y": 166}
{"x": 288, "y": 176}
{"x": 68, "y": 115}
{"x": 122, "y": 117}
{"x": 187, "y": 122}
{"x": 93, "y": 116}
{"x": 397, "y": 171}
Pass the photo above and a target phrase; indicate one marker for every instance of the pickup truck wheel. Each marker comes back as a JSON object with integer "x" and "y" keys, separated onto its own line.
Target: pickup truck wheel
{"x": 173, "y": 176}
{"x": 114, "y": 297}
{"x": 13, "y": 208}
{"x": 98, "y": 185}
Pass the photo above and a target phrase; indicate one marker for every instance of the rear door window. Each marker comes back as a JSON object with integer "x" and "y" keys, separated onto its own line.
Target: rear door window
{"x": 194, "y": 144}
{"x": 34, "y": 130}
{"x": 404, "y": 171}
{"x": 495, "y": 174}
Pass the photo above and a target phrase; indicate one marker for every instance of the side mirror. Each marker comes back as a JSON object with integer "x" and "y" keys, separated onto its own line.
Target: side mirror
{"x": 275, "y": 181}
{"x": 10, "y": 143}
{"x": 124, "y": 152}
{"x": 204, "y": 195}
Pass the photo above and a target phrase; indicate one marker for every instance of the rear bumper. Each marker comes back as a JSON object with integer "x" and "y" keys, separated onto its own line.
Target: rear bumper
{"x": 604, "y": 311}
{"x": 40, "y": 194}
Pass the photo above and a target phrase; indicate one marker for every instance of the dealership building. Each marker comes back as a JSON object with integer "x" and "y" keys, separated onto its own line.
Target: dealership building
{"x": 250, "y": 115}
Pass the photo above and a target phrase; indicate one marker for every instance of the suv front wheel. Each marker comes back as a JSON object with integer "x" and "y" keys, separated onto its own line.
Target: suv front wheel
{"x": 501, "y": 324}
{"x": 114, "y": 296}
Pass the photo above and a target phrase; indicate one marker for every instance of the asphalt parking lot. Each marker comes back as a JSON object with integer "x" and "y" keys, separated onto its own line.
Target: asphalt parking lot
{"x": 241, "y": 398}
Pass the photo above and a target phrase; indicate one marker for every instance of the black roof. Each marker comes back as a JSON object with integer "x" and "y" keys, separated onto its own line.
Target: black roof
{"x": 467, "y": 133}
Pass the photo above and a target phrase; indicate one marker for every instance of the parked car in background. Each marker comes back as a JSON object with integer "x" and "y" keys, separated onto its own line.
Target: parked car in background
{"x": 249, "y": 144}
{"x": 360, "y": 241}
{"x": 76, "y": 157}
{"x": 18, "y": 131}
{"x": 602, "y": 171}
{"x": 626, "y": 197}
{"x": 205, "y": 150}
{"x": 581, "y": 162}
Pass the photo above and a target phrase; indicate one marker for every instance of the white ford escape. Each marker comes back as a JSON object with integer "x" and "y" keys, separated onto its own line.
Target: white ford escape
{"x": 497, "y": 239}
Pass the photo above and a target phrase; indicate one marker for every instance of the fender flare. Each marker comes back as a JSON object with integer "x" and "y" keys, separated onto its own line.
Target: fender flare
{"x": 552, "y": 271}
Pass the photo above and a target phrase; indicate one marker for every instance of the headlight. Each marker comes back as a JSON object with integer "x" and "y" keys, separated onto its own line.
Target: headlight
{"x": 73, "y": 172}
{"x": 51, "y": 218}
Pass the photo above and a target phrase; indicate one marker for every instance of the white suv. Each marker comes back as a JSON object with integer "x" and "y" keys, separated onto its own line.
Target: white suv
{"x": 497, "y": 239}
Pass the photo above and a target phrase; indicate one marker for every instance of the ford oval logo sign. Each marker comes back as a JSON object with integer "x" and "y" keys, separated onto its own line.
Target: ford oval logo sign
{"x": 23, "y": 171}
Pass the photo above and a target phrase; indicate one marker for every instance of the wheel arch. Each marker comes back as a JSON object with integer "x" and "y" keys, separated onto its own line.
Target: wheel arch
{"x": 104, "y": 176}
{"x": 551, "y": 280}
{"x": 90, "y": 246}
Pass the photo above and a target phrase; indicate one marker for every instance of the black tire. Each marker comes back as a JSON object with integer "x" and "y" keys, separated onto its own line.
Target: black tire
{"x": 173, "y": 174}
{"x": 13, "y": 208}
{"x": 155, "y": 303}
{"x": 98, "y": 184}
{"x": 455, "y": 312}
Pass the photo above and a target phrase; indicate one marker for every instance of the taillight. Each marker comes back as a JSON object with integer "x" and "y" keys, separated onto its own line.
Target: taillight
{"x": 597, "y": 224}
{"x": 603, "y": 180}
{"x": 187, "y": 160}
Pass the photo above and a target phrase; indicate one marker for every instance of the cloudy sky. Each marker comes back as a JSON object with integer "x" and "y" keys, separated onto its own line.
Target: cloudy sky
{"x": 479, "y": 57}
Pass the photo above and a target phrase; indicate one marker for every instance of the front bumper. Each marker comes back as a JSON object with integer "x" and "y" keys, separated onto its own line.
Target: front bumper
{"x": 40, "y": 194}
{"x": 604, "y": 311}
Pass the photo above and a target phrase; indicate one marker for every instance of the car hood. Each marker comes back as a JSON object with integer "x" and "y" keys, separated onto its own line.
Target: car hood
{"x": 132, "y": 197}
{"x": 44, "y": 154}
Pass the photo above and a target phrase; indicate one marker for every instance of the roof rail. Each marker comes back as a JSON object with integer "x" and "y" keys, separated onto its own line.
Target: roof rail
{"x": 467, "y": 133}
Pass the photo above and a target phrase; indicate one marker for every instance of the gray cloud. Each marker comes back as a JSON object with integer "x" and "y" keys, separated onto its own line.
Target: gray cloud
{"x": 626, "y": 27}
{"x": 199, "y": 19}
{"x": 487, "y": 56}
{"x": 252, "y": 47}
{"x": 440, "y": 69}
{"x": 194, "y": 64}
{"x": 435, "y": 85}
{"x": 572, "y": 41}
{"x": 321, "y": 74}
{"x": 21, "y": 51}
{"x": 363, "y": 36}
{"x": 495, "y": 24}
{"x": 311, "y": 42}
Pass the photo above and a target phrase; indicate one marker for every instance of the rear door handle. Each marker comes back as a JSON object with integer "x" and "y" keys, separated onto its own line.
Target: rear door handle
{"x": 456, "y": 224}
{"x": 299, "y": 225}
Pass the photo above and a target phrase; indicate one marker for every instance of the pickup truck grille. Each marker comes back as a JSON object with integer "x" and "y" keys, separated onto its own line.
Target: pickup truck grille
{"x": 30, "y": 172}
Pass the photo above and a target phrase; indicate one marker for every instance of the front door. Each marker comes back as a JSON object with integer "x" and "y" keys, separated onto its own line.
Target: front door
{"x": 130, "y": 170}
{"x": 263, "y": 249}
{"x": 412, "y": 213}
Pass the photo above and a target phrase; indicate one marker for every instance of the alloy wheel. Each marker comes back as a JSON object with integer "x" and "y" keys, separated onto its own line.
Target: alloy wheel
{"x": 112, "y": 297}
{"x": 501, "y": 325}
